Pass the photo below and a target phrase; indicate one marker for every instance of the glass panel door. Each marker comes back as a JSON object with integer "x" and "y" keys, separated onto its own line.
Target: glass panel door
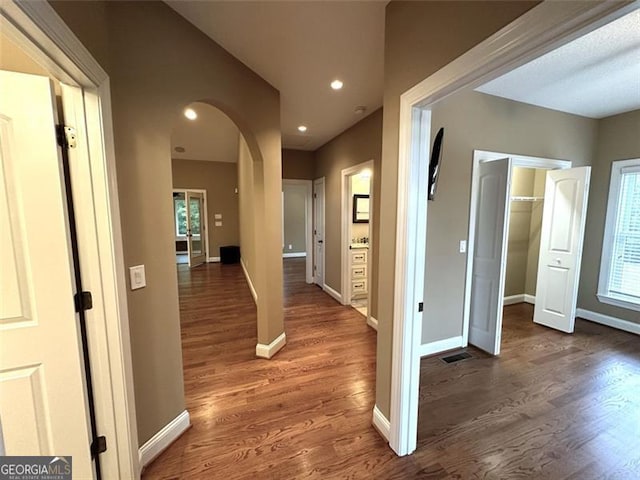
{"x": 195, "y": 228}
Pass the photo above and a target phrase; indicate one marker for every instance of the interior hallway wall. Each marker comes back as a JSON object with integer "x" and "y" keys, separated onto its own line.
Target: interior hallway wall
{"x": 295, "y": 217}
{"x": 358, "y": 144}
{"x": 298, "y": 164}
{"x": 158, "y": 63}
{"x": 420, "y": 39}
{"x": 220, "y": 180}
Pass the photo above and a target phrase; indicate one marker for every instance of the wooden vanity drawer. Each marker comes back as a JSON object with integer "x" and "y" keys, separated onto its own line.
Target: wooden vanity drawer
{"x": 358, "y": 272}
{"x": 358, "y": 287}
{"x": 359, "y": 256}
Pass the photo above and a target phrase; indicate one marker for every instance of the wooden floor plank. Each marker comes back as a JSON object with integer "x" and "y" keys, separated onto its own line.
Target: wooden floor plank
{"x": 551, "y": 406}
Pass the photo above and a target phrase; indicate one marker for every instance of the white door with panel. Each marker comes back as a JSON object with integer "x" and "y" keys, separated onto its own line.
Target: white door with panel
{"x": 318, "y": 231}
{"x": 196, "y": 229}
{"x": 43, "y": 407}
{"x": 489, "y": 255}
{"x": 561, "y": 240}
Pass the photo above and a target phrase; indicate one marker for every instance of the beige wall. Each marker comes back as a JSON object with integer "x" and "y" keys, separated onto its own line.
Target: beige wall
{"x": 535, "y": 229}
{"x": 420, "y": 38}
{"x": 295, "y": 216}
{"x": 358, "y": 144}
{"x": 158, "y": 63}
{"x": 522, "y": 181}
{"x": 220, "y": 180}
{"x": 618, "y": 139}
{"x": 473, "y": 120}
{"x": 245, "y": 204}
{"x": 298, "y": 164}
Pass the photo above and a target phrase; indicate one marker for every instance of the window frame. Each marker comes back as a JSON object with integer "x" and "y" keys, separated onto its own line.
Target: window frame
{"x": 613, "y": 202}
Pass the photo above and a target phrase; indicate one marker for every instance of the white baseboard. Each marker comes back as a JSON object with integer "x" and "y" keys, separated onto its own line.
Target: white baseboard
{"x": 165, "y": 437}
{"x": 440, "y": 346}
{"x": 372, "y": 322}
{"x": 294, "y": 255}
{"x": 332, "y": 292}
{"x": 213, "y": 259}
{"x": 268, "y": 351}
{"x": 521, "y": 298}
{"x": 254, "y": 294}
{"x": 381, "y": 424}
{"x": 609, "y": 321}
{"x": 513, "y": 299}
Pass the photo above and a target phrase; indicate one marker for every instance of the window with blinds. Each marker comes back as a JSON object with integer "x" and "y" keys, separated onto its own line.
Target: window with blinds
{"x": 620, "y": 271}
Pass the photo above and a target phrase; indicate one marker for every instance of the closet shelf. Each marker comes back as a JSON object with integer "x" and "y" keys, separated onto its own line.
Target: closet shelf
{"x": 526, "y": 199}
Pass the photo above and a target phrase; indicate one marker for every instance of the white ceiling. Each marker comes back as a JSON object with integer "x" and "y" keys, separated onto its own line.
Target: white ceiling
{"x": 299, "y": 48}
{"x": 212, "y": 136}
{"x": 596, "y": 76}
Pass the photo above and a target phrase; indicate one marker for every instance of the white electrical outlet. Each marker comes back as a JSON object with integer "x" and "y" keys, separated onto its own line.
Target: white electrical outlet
{"x": 463, "y": 246}
{"x": 290, "y": 247}
{"x": 137, "y": 277}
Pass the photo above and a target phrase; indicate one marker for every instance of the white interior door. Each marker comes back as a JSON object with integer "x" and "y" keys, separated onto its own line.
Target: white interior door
{"x": 195, "y": 229}
{"x": 561, "y": 238}
{"x": 318, "y": 231}
{"x": 43, "y": 407}
{"x": 489, "y": 255}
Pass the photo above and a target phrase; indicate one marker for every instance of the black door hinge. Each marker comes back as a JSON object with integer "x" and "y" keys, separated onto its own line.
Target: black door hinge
{"x": 420, "y": 307}
{"x": 66, "y": 136}
{"x": 83, "y": 301}
{"x": 98, "y": 446}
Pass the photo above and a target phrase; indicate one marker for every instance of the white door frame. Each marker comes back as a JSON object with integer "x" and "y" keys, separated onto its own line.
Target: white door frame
{"x": 308, "y": 224}
{"x": 38, "y": 30}
{"x": 540, "y": 30}
{"x": 323, "y": 285}
{"x": 345, "y": 237}
{"x": 206, "y": 219}
{"x": 516, "y": 161}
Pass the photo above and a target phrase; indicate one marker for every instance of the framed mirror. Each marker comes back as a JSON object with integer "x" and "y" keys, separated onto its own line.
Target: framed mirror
{"x": 360, "y": 208}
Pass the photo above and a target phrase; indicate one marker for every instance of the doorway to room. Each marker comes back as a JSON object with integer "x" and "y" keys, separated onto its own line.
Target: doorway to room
{"x": 502, "y": 184}
{"x": 191, "y": 229}
{"x": 356, "y": 227}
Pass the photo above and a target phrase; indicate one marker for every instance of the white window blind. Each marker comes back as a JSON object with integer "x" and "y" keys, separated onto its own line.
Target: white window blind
{"x": 624, "y": 277}
{"x": 619, "y": 282}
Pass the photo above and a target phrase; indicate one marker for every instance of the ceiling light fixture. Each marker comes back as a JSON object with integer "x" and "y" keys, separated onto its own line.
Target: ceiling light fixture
{"x": 359, "y": 110}
{"x": 180, "y": 149}
{"x": 366, "y": 173}
{"x": 190, "y": 113}
{"x": 302, "y": 128}
{"x": 336, "y": 84}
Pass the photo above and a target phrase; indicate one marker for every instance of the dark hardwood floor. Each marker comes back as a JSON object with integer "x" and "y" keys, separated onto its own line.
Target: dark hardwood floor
{"x": 551, "y": 406}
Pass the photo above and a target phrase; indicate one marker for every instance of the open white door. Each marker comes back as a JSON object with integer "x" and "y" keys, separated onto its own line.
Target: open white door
{"x": 561, "y": 239}
{"x": 318, "y": 232}
{"x": 195, "y": 229}
{"x": 43, "y": 403}
{"x": 489, "y": 254}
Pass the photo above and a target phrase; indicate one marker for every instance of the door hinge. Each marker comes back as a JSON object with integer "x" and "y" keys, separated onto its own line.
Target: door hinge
{"x": 420, "y": 307}
{"x": 315, "y": 195}
{"x": 98, "y": 446}
{"x": 66, "y": 136}
{"x": 83, "y": 301}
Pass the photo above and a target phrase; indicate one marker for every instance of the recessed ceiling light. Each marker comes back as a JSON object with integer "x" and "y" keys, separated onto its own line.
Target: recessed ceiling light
{"x": 302, "y": 128}
{"x": 366, "y": 173}
{"x": 190, "y": 113}
{"x": 336, "y": 84}
{"x": 179, "y": 149}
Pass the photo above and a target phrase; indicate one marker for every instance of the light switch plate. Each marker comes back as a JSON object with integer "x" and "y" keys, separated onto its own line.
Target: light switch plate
{"x": 137, "y": 277}
{"x": 218, "y": 224}
{"x": 218, "y": 216}
{"x": 463, "y": 246}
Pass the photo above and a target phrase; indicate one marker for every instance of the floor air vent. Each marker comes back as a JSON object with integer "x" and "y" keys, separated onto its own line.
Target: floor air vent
{"x": 456, "y": 358}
